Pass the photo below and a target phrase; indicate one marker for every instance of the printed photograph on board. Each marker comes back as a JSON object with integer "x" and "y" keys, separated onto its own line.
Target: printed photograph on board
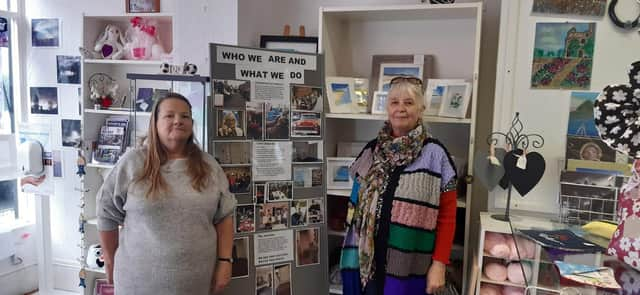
{"x": 230, "y": 123}
{"x": 279, "y": 191}
{"x": 255, "y": 120}
{"x": 245, "y": 218}
{"x": 232, "y": 152}
{"x": 272, "y": 216}
{"x": 305, "y": 124}
{"x": 239, "y": 179}
{"x": 306, "y": 98}
{"x": 240, "y": 255}
{"x": 307, "y": 246}
{"x": 282, "y": 279}
{"x": 264, "y": 280}
{"x": 299, "y": 209}
{"x": 232, "y": 93}
{"x": 277, "y": 122}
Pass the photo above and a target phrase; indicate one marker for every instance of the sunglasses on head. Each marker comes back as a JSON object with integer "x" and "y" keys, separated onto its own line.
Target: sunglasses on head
{"x": 409, "y": 79}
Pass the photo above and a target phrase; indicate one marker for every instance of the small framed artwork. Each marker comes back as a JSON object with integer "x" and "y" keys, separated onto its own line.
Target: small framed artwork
{"x": 338, "y": 173}
{"x": 45, "y": 32}
{"x": 455, "y": 100}
{"x": 390, "y": 71}
{"x": 230, "y": 123}
{"x": 245, "y": 218}
{"x": 340, "y": 94}
{"x": 307, "y": 246}
{"x": 142, "y": 6}
{"x": 290, "y": 43}
{"x": 71, "y": 133}
{"x": 379, "y": 106}
{"x": 434, "y": 93}
{"x": 44, "y": 100}
{"x": 279, "y": 191}
{"x": 240, "y": 254}
{"x": 68, "y": 69}
{"x": 305, "y": 124}
{"x": 420, "y": 59}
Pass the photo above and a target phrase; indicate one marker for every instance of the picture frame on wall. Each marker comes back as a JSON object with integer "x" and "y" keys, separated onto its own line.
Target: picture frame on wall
{"x": 388, "y": 71}
{"x": 425, "y": 60}
{"x": 45, "y": 32}
{"x": 142, "y": 6}
{"x": 379, "y": 105}
{"x": 341, "y": 94}
{"x": 338, "y": 173}
{"x": 290, "y": 43}
{"x": 455, "y": 100}
{"x": 434, "y": 93}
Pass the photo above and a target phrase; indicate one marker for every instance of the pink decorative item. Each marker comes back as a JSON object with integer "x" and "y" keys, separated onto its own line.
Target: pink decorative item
{"x": 510, "y": 290}
{"x": 526, "y": 248}
{"x": 514, "y": 272}
{"x": 495, "y": 244}
{"x": 142, "y": 40}
{"x": 488, "y": 289}
{"x": 625, "y": 243}
{"x": 495, "y": 271}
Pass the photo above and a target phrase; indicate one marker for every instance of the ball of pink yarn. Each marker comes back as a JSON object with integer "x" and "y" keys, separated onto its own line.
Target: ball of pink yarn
{"x": 495, "y": 271}
{"x": 496, "y": 245}
{"x": 488, "y": 289}
{"x": 510, "y": 290}
{"x": 514, "y": 272}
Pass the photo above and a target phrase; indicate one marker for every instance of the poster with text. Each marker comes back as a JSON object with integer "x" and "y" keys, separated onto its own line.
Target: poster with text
{"x": 271, "y": 160}
{"x": 273, "y": 247}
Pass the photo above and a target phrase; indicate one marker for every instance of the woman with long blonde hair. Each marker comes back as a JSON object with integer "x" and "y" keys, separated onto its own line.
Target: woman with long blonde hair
{"x": 174, "y": 205}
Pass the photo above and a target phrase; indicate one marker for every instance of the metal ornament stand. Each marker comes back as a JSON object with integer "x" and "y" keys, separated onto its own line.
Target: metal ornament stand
{"x": 514, "y": 139}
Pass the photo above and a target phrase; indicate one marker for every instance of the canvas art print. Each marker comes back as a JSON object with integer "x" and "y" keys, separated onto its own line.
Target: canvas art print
{"x": 579, "y": 7}
{"x": 45, "y": 32}
{"x": 563, "y": 55}
{"x": 68, "y": 69}
{"x": 44, "y": 100}
{"x": 581, "y": 122}
{"x": 71, "y": 133}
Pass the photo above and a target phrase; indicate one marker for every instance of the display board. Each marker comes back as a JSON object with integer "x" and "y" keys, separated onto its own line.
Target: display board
{"x": 266, "y": 129}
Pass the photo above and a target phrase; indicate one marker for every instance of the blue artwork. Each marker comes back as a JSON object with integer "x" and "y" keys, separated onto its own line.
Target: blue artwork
{"x": 390, "y": 72}
{"x": 342, "y": 92}
{"x": 45, "y": 32}
{"x": 581, "y": 122}
{"x": 342, "y": 174}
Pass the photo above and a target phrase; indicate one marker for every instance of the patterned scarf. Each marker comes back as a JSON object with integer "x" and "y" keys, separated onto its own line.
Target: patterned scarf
{"x": 388, "y": 154}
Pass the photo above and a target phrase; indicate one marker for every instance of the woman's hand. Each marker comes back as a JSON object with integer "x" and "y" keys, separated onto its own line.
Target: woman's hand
{"x": 435, "y": 276}
{"x": 221, "y": 277}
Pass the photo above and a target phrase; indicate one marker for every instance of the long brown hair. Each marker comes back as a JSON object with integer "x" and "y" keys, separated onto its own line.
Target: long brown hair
{"x": 198, "y": 170}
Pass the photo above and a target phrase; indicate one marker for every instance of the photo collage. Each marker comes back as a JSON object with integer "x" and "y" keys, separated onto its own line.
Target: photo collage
{"x": 271, "y": 152}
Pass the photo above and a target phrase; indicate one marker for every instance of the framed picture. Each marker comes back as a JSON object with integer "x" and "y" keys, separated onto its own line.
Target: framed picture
{"x": 240, "y": 254}
{"x": 455, "y": 100}
{"x": 68, "y": 69}
{"x": 45, "y": 32}
{"x": 44, "y": 100}
{"x": 379, "y": 105}
{"x": 389, "y": 71}
{"x": 230, "y": 123}
{"x": 305, "y": 124}
{"x": 424, "y": 59}
{"x": 139, "y": 6}
{"x": 434, "y": 92}
{"x": 338, "y": 173}
{"x": 71, "y": 133}
{"x": 290, "y": 43}
{"x": 341, "y": 94}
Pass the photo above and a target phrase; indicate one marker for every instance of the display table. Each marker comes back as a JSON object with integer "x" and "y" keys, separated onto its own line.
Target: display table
{"x": 544, "y": 277}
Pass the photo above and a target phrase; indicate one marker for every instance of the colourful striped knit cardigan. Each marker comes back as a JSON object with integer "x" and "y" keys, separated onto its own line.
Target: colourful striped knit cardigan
{"x": 412, "y": 226}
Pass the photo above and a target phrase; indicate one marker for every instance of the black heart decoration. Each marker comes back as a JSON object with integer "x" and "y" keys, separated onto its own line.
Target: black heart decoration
{"x": 524, "y": 180}
{"x": 488, "y": 174}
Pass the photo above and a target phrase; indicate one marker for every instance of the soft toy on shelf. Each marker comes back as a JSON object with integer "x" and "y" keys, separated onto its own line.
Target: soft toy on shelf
{"x": 110, "y": 45}
{"x": 515, "y": 272}
{"x": 495, "y": 271}
{"x": 142, "y": 40}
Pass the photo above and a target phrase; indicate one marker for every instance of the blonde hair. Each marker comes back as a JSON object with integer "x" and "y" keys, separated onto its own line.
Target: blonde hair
{"x": 156, "y": 156}
{"x": 414, "y": 90}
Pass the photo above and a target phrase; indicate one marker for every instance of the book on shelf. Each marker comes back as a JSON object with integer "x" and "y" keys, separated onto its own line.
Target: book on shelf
{"x": 112, "y": 140}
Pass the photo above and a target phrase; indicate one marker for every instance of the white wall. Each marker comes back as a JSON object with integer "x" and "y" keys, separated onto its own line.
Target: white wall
{"x": 196, "y": 24}
{"x": 547, "y": 111}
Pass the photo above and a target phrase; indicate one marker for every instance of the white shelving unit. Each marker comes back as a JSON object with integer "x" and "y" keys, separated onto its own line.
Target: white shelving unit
{"x": 350, "y": 35}
{"x": 93, "y": 119}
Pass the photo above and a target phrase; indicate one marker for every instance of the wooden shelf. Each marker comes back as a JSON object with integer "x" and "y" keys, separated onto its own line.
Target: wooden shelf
{"x": 100, "y": 166}
{"x": 337, "y": 233}
{"x": 503, "y": 283}
{"x": 339, "y": 192}
{"x": 427, "y": 119}
{"x": 124, "y": 62}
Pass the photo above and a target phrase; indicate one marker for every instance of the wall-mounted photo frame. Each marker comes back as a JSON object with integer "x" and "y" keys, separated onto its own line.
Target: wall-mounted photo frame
{"x": 388, "y": 71}
{"x": 142, "y": 6}
{"x": 379, "y": 106}
{"x": 434, "y": 93}
{"x": 341, "y": 94}
{"x": 45, "y": 32}
{"x": 338, "y": 173}
{"x": 422, "y": 59}
{"x": 290, "y": 43}
{"x": 455, "y": 100}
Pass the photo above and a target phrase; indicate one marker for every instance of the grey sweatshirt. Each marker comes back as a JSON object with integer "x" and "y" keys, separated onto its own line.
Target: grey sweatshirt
{"x": 167, "y": 246}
